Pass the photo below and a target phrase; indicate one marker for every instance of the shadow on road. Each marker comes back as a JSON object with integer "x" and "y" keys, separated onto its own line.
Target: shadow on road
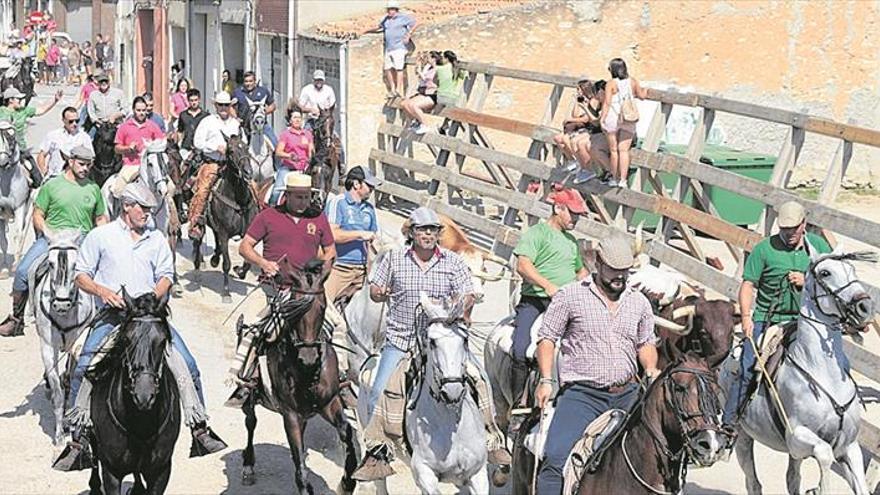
{"x": 36, "y": 403}
{"x": 274, "y": 472}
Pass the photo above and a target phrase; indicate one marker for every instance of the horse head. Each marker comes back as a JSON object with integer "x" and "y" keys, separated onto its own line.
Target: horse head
{"x": 832, "y": 287}
{"x": 140, "y": 347}
{"x": 154, "y": 166}
{"x": 238, "y": 157}
{"x": 63, "y": 248}
{"x": 257, "y": 118}
{"x": 445, "y": 348}
{"x": 305, "y": 314}
{"x": 8, "y": 145}
{"x": 683, "y": 403}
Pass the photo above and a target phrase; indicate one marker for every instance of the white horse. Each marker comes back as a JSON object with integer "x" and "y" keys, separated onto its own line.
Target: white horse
{"x": 444, "y": 426}
{"x": 62, "y": 312}
{"x": 14, "y": 193}
{"x": 818, "y": 394}
{"x": 261, "y": 150}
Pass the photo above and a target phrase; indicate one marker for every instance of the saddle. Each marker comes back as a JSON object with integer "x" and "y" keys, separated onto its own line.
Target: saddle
{"x": 505, "y": 340}
{"x": 587, "y": 453}
{"x": 774, "y": 343}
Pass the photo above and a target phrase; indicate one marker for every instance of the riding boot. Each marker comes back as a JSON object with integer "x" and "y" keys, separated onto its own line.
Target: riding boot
{"x": 519, "y": 380}
{"x": 77, "y": 455}
{"x": 205, "y": 441}
{"x": 376, "y": 464}
{"x": 13, "y": 325}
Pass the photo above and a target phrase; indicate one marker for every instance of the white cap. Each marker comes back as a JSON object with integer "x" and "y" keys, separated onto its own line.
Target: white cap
{"x": 392, "y": 4}
{"x": 12, "y": 92}
{"x": 318, "y": 74}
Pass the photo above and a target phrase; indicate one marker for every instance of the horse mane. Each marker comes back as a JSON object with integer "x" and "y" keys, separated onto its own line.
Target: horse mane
{"x": 130, "y": 333}
{"x": 865, "y": 256}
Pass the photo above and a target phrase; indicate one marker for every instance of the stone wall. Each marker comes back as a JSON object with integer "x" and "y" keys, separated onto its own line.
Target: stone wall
{"x": 816, "y": 57}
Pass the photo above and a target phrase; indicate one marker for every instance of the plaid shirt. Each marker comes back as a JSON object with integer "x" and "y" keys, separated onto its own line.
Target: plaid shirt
{"x": 597, "y": 347}
{"x": 444, "y": 275}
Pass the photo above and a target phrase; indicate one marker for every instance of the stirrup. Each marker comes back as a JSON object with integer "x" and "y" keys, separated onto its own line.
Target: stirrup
{"x": 205, "y": 441}
{"x": 75, "y": 457}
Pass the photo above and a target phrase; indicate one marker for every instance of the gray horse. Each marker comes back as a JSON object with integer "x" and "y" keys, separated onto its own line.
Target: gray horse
{"x": 62, "y": 312}
{"x": 260, "y": 148}
{"x": 817, "y": 392}
{"x": 14, "y": 192}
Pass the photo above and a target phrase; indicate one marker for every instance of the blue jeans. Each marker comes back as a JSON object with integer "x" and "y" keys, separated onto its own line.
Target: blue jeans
{"x": 83, "y": 115}
{"x": 740, "y": 384}
{"x": 527, "y": 311}
{"x": 577, "y": 405}
{"x": 388, "y": 361}
{"x": 96, "y": 338}
{"x": 270, "y": 133}
{"x": 37, "y": 249}
{"x": 278, "y": 187}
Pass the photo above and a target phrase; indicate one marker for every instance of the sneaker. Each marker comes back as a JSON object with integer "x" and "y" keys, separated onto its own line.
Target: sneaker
{"x": 421, "y": 129}
{"x": 75, "y": 457}
{"x": 572, "y": 165}
{"x": 583, "y": 175}
{"x": 612, "y": 183}
{"x": 205, "y": 441}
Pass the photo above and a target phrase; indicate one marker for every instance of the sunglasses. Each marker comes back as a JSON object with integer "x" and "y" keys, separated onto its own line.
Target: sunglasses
{"x": 427, "y": 229}
{"x": 71, "y": 121}
{"x": 223, "y": 104}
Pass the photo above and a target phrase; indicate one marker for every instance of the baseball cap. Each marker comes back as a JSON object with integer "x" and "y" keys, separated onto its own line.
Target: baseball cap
{"x": 616, "y": 252}
{"x": 12, "y": 92}
{"x": 422, "y": 216}
{"x": 392, "y": 4}
{"x": 318, "y": 74}
{"x": 791, "y": 214}
{"x": 363, "y": 175}
{"x": 102, "y": 77}
{"x": 569, "y": 198}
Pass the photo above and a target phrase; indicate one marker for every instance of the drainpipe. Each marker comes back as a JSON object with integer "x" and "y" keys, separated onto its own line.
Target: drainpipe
{"x": 343, "y": 95}
{"x": 187, "y": 43}
{"x": 292, "y": 51}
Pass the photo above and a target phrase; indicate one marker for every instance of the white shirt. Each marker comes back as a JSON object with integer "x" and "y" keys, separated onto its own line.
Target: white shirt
{"x": 60, "y": 141}
{"x": 212, "y": 132}
{"x": 312, "y": 98}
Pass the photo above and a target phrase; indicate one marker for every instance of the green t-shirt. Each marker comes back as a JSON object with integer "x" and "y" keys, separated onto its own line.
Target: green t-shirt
{"x": 447, "y": 85}
{"x": 19, "y": 120}
{"x": 554, "y": 253}
{"x": 768, "y": 266}
{"x": 68, "y": 205}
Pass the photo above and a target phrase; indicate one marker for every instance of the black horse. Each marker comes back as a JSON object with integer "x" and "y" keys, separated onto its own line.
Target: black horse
{"x": 231, "y": 208}
{"x": 327, "y": 158}
{"x": 107, "y": 161}
{"x": 23, "y": 80}
{"x": 135, "y": 402}
{"x": 303, "y": 368}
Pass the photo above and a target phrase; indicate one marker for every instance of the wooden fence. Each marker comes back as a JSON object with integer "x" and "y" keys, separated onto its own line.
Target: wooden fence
{"x": 402, "y": 156}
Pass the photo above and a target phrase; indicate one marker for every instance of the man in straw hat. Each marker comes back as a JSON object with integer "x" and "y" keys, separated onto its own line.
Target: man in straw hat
{"x": 210, "y": 138}
{"x": 775, "y": 270}
{"x": 126, "y": 253}
{"x": 289, "y": 237}
{"x": 547, "y": 259}
{"x": 601, "y": 328}
{"x": 68, "y": 201}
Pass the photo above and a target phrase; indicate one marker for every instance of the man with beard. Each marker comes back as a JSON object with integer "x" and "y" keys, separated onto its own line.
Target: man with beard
{"x": 399, "y": 279}
{"x": 601, "y": 327}
{"x": 290, "y": 235}
{"x": 775, "y": 270}
{"x": 547, "y": 258}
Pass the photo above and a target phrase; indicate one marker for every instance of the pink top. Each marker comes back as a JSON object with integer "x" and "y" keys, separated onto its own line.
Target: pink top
{"x": 178, "y": 102}
{"x": 130, "y": 132}
{"x": 297, "y": 143}
{"x": 86, "y": 91}
{"x": 53, "y": 55}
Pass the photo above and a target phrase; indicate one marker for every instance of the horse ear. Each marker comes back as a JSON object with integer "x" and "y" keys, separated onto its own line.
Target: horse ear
{"x": 129, "y": 301}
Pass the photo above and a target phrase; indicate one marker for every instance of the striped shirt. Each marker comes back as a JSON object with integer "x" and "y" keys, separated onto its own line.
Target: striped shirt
{"x": 444, "y": 275}
{"x": 597, "y": 347}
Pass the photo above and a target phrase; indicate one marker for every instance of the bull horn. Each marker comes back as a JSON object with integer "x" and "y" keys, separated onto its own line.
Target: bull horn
{"x": 639, "y": 242}
{"x": 494, "y": 258}
{"x": 671, "y": 326}
{"x": 737, "y": 311}
{"x": 683, "y": 311}
{"x": 488, "y": 277}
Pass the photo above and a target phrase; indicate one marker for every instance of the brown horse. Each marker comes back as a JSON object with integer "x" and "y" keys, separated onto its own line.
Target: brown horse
{"x": 303, "y": 368}
{"x": 674, "y": 422}
{"x": 326, "y": 160}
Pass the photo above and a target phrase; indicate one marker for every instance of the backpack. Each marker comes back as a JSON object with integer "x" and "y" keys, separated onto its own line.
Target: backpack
{"x": 628, "y": 110}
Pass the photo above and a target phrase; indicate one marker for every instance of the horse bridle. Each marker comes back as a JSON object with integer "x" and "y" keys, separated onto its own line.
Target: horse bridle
{"x": 134, "y": 373}
{"x": 846, "y": 313}
{"x": 436, "y": 386}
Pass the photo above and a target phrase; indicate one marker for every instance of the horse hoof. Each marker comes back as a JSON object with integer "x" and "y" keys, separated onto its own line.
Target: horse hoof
{"x": 500, "y": 476}
{"x": 227, "y": 299}
{"x": 215, "y": 260}
{"x": 176, "y": 290}
{"x": 342, "y": 490}
{"x": 240, "y": 272}
{"x": 813, "y": 491}
{"x": 248, "y": 477}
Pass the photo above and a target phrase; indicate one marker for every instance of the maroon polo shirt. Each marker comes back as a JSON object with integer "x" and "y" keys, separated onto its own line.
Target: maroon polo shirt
{"x": 281, "y": 234}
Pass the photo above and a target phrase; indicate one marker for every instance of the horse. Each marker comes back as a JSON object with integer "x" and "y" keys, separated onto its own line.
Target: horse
{"x": 14, "y": 192}
{"x": 817, "y": 392}
{"x": 229, "y": 211}
{"x": 62, "y": 312}
{"x": 21, "y": 76}
{"x": 261, "y": 151}
{"x": 445, "y": 432}
{"x": 327, "y": 158}
{"x": 303, "y": 369}
{"x": 107, "y": 161}
{"x": 697, "y": 324}
{"x": 154, "y": 172}
{"x": 135, "y": 404}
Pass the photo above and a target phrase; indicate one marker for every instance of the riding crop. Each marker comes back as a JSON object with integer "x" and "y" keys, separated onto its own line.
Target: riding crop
{"x": 770, "y": 385}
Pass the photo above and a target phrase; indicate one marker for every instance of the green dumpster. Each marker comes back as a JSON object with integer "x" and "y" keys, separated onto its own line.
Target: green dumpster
{"x": 732, "y": 207}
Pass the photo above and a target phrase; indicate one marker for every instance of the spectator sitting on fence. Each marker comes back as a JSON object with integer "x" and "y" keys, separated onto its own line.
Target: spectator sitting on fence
{"x": 576, "y": 125}
{"x": 619, "y": 117}
{"x": 426, "y": 95}
{"x": 449, "y": 79}
{"x": 591, "y": 147}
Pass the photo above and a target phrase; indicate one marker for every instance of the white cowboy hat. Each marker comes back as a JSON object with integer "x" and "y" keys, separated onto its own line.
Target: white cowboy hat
{"x": 223, "y": 98}
{"x": 297, "y": 180}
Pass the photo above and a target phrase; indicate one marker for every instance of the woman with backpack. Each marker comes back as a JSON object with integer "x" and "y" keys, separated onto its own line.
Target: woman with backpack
{"x": 619, "y": 117}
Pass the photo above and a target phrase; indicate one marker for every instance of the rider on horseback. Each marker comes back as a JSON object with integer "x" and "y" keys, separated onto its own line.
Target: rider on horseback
{"x": 399, "y": 280}
{"x": 288, "y": 232}
{"x": 600, "y": 327}
{"x": 188, "y": 121}
{"x": 125, "y": 253}
{"x": 16, "y": 112}
{"x": 50, "y": 159}
{"x": 210, "y": 138}
{"x": 68, "y": 201}
{"x": 547, "y": 259}
{"x": 295, "y": 149}
{"x": 250, "y": 94}
{"x": 354, "y": 224}
{"x": 105, "y": 106}
{"x": 131, "y": 137}
{"x": 315, "y": 98}
{"x": 776, "y": 269}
